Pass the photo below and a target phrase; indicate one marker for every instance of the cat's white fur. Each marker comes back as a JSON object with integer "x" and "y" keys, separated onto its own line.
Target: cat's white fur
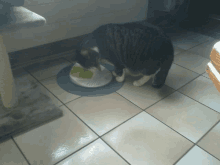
{"x": 137, "y": 83}
{"x": 96, "y": 49}
{"x": 126, "y": 71}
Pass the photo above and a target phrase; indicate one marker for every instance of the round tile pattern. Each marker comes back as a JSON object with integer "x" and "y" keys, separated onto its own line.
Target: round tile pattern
{"x": 63, "y": 80}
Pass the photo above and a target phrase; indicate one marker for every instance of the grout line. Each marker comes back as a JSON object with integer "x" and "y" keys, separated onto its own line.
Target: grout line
{"x": 76, "y": 151}
{"x": 208, "y": 132}
{"x": 199, "y": 102}
{"x": 121, "y": 124}
{"x": 205, "y": 76}
{"x": 106, "y": 132}
{"x": 88, "y": 145}
{"x": 129, "y": 118}
{"x": 200, "y": 43}
{"x": 184, "y": 154}
{"x": 208, "y": 152}
{"x": 124, "y": 121}
{"x": 129, "y": 100}
{"x": 188, "y": 82}
{"x": 73, "y": 100}
{"x": 115, "y": 151}
{"x": 20, "y": 151}
{"x": 165, "y": 124}
{"x": 91, "y": 130}
{"x": 45, "y": 87}
{"x": 153, "y": 117}
{"x": 169, "y": 126}
{"x": 193, "y": 98}
{"x": 186, "y": 68}
{"x": 199, "y": 146}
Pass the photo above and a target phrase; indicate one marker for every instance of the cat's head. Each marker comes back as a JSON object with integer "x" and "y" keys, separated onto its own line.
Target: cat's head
{"x": 88, "y": 58}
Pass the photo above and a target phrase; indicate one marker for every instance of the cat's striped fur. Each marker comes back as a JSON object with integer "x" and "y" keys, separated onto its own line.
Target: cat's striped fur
{"x": 138, "y": 48}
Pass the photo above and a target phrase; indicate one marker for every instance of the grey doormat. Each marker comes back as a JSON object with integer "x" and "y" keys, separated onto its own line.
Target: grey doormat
{"x": 33, "y": 110}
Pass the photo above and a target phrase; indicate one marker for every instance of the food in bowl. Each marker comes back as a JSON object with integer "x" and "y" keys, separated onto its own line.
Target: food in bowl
{"x": 81, "y": 73}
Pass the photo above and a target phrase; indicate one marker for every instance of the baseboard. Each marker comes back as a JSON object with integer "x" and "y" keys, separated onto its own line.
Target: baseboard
{"x": 45, "y": 52}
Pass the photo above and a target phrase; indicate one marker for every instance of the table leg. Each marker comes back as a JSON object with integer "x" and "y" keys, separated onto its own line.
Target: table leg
{"x": 7, "y": 84}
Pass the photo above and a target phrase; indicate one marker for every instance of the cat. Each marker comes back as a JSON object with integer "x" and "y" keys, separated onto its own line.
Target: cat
{"x": 138, "y": 48}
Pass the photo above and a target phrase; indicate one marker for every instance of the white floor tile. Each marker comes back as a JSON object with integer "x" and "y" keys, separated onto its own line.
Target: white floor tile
{"x": 179, "y": 76}
{"x": 10, "y": 155}
{"x": 204, "y": 49}
{"x": 97, "y": 153}
{"x": 211, "y": 142}
{"x": 191, "y": 61}
{"x": 53, "y": 87}
{"x": 145, "y": 95}
{"x": 56, "y": 140}
{"x": 204, "y": 91}
{"x": 198, "y": 156}
{"x": 144, "y": 140}
{"x": 184, "y": 115}
{"x": 103, "y": 113}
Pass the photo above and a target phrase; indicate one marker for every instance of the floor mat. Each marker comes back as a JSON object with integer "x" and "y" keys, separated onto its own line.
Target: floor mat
{"x": 34, "y": 109}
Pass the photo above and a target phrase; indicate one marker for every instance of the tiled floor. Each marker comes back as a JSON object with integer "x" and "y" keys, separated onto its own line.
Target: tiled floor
{"x": 178, "y": 124}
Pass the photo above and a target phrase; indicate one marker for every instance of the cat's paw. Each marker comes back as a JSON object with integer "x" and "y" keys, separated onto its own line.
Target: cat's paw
{"x": 120, "y": 79}
{"x": 157, "y": 86}
{"x": 114, "y": 74}
{"x": 137, "y": 84}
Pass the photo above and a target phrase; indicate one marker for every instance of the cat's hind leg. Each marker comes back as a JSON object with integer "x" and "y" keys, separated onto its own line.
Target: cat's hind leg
{"x": 142, "y": 81}
{"x": 160, "y": 77}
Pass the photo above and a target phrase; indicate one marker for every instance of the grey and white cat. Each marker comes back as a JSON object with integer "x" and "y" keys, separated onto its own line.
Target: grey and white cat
{"x": 137, "y": 48}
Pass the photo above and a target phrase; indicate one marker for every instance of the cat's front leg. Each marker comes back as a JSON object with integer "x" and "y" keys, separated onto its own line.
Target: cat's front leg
{"x": 118, "y": 72}
{"x": 141, "y": 81}
{"x": 122, "y": 77}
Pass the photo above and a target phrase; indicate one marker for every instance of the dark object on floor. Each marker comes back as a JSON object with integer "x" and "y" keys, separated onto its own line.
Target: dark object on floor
{"x": 34, "y": 109}
{"x": 63, "y": 80}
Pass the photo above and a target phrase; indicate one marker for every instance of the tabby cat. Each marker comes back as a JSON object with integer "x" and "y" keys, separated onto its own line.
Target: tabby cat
{"x": 138, "y": 48}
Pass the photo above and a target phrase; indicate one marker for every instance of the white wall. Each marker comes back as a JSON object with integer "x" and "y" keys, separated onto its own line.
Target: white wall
{"x": 71, "y": 18}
